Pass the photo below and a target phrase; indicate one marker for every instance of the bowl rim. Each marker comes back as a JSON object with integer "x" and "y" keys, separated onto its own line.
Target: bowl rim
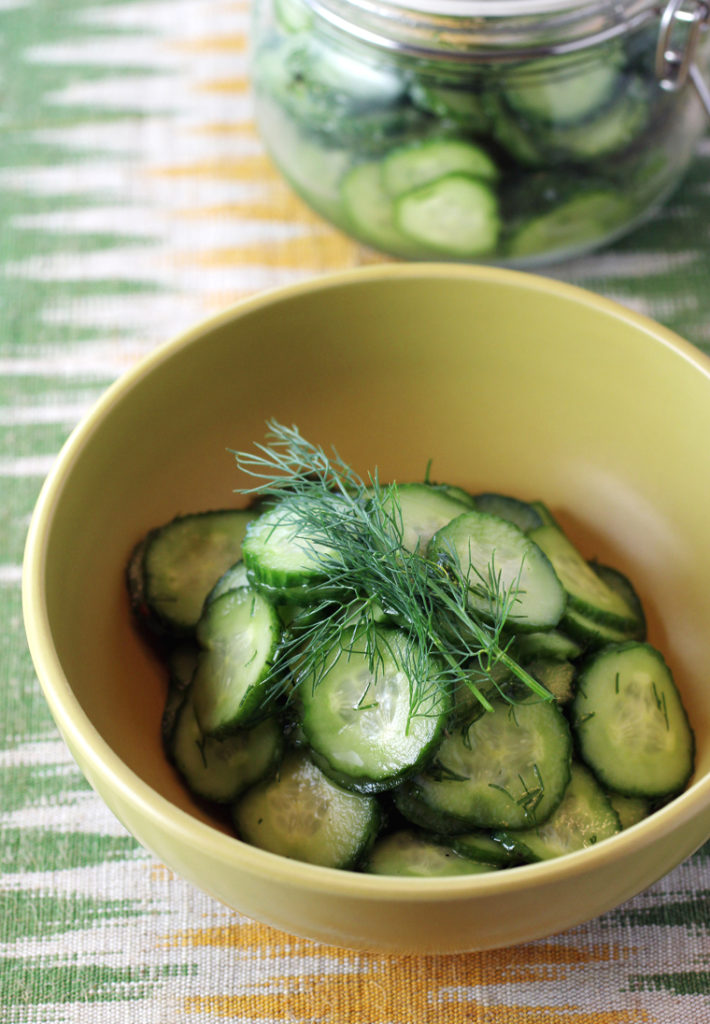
{"x": 103, "y": 763}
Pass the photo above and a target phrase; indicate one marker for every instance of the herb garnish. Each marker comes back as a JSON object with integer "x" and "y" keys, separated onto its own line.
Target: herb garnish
{"x": 355, "y": 527}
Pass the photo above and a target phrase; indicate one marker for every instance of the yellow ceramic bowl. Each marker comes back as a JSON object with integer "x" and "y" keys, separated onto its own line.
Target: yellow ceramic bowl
{"x": 508, "y": 382}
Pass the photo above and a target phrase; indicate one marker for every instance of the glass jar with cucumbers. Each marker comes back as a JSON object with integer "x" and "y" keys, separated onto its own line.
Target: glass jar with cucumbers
{"x": 515, "y": 132}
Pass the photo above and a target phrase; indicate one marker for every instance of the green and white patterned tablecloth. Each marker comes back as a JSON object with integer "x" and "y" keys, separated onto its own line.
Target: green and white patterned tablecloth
{"x": 135, "y": 197}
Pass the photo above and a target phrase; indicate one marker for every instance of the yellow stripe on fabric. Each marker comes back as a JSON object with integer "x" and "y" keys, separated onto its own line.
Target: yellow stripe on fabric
{"x": 541, "y": 961}
{"x": 376, "y": 989}
{"x": 237, "y": 84}
{"x": 236, "y": 43}
{"x": 326, "y": 249}
{"x": 319, "y": 247}
{"x": 414, "y": 999}
{"x": 221, "y": 128}
{"x": 249, "y": 168}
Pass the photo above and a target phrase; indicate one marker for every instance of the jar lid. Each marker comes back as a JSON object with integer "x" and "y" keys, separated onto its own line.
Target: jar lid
{"x": 487, "y": 29}
{"x": 490, "y": 8}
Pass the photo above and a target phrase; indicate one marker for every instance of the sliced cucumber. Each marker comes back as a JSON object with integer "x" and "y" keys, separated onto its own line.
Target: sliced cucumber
{"x": 221, "y": 769}
{"x": 417, "y": 855}
{"x": 561, "y": 90}
{"x": 456, "y": 215}
{"x": 486, "y": 546}
{"x": 611, "y": 130}
{"x": 524, "y": 515}
{"x": 408, "y": 802}
{"x": 313, "y": 164}
{"x": 630, "y": 809}
{"x": 619, "y": 582}
{"x": 302, "y": 814}
{"x": 458, "y": 493}
{"x": 545, "y": 514}
{"x": 293, "y": 15}
{"x": 630, "y": 724}
{"x": 571, "y": 224}
{"x": 359, "y": 717}
{"x": 467, "y": 108}
{"x": 418, "y": 511}
{"x": 239, "y": 634}
{"x": 586, "y": 591}
{"x": 475, "y": 679}
{"x": 506, "y": 769}
{"x": 583, "y": 818}
{"x": 182, "y": 661}
{"x": 556, "y": 676}
{"x": 381, "y": 714}
{"x": 518, "y": 139}
{"x": 176, "y": 565}
{"x": 320, "y": 86}
{"x": 547, "y": 645}
{"x": 285, "y": 554}
{"x": 370, "y": 213}
{"x": 590, "y": 631}
{"x": 234, "y": 578}
{"x": 482, "y": 846}
{"x": 419, "y": 163}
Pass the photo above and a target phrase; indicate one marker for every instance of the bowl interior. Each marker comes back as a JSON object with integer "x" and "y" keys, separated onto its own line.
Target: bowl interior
{"x": 506, "y": 382}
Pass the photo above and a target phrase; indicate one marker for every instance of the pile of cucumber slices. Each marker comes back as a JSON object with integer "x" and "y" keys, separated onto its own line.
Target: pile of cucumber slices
{"x": 520, "y": 163}
{"x": 527, "y": 718}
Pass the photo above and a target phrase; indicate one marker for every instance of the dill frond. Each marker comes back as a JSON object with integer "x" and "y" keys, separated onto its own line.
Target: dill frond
{"x": 355, "y": 528}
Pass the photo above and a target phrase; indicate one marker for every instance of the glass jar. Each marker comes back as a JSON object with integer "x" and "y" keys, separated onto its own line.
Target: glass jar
{"x": 515, "y": 132}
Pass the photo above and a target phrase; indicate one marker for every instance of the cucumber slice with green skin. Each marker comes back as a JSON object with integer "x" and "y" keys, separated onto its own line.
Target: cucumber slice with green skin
{"x": 234, "y": 578}
{"x": 477, "y": 540}
{"x": 456, "y": 215}
{"x": 593, "y": 633}
{"x": 175, "y": 566}
{"x": 630, "y": 809}
{"x": 312, "y": 165}
{"x": 584, "y": 818}
{"x": 366, "y": 728}
{"x": 484, "y": 847}
{"x": 547, "y": 645}
{"x": 239, "y": 635}
{"x": 630, "y": 724}
{"x": 369, "y": 211}
{"x": 488, "y": 681}
{"x": 293, "y": 15}
{"x": 421, "y": 510}
{"x": 524, "y": 515}
{"x": 408, "y": 802}
{"x": 420, "y": 163}
{"x": 560, "y": 90}
{"x": 545, "y": 514}
{"x": 586, "y": 591}
{"x": 506, "y": 769}
{"x": 220, "y": 769}
{"x": 416, "y": 855}
{"x": 556, "y": 676}
{"x": 516, "y": 138}
{"x": 612, "y": 130}
{"x": 182, "y": 662}
{"x": 321, "y": 86}
{"x": 466, "y": 108}
{"x": 571, "y": 225}
{"x": 458, "y": 493}
{"x": 618, "y": 581}
{"x": 284, "y": 555}
{"x": 302, "y": 814}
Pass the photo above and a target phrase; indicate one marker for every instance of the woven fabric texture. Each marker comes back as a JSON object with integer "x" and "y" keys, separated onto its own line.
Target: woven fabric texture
{"x": 136, "y": 198}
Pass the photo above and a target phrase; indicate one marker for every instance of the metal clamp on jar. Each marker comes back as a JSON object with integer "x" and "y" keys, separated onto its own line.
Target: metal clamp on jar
{"x": 515, "y": 132}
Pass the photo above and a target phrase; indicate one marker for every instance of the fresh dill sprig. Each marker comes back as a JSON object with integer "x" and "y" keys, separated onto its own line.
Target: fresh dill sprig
{"x": 355, "y": 528}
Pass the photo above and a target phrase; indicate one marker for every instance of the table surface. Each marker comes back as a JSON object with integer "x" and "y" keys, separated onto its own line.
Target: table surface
{"x": 135, "y": 198}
